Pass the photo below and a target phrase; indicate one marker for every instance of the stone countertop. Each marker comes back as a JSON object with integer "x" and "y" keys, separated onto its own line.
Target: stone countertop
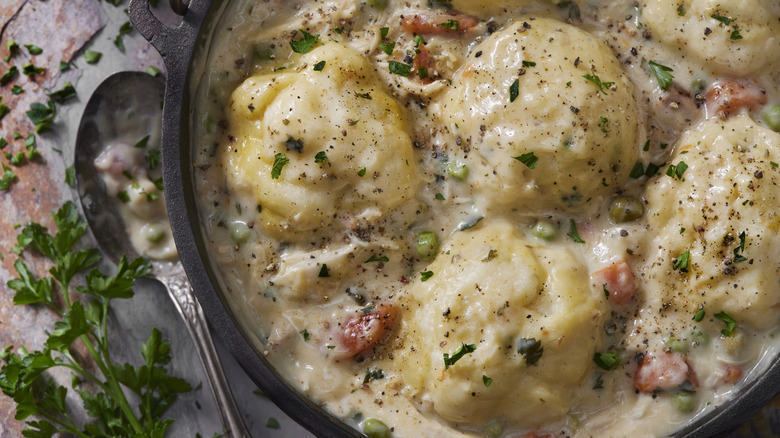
{"x": 64, "y": 29}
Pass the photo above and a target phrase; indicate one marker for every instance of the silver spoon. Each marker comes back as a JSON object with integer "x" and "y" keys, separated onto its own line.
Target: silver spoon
{"x": 134, "y": 101}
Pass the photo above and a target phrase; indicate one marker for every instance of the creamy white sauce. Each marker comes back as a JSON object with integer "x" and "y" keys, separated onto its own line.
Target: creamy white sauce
{"x": 308, "y": 246}
{"x": 129, "y": 166}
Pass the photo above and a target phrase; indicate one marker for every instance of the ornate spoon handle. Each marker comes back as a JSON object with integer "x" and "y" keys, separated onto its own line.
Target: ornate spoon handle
{"x": 183, "y": 297}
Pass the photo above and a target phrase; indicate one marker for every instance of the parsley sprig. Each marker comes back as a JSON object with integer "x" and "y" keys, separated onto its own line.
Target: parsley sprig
{"x": 84, "y": 324}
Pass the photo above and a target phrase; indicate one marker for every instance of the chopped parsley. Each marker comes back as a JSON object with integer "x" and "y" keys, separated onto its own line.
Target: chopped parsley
{"x": 123, "y": 196}
{"x": 152, "y": 71}
{"x": 451, "y": 25}
{"x": 637, "y": 171}
{"x": 142, "y": 143}
{"x": 603, "y": 86}
{"x": 605, "y": 361}
{"x": 531, "y": 349}
{"x": 724, "y": 20}
{"x": 487, "y": 381}
{"x": 321, "y": 157}
{"x": 514, "y": 90}
{"x": 606, "y": 291}
{"x": 387, "y": 48}
{"x": 3, "y": 109}
{"x": 735, "y": 35}
{"x": 9, "y": 75}
{"x": 371, "y": 375}
{"x": 362, "y": 172}
{"x": 528, "y": 158}
{"x": 153, "y": 159}
{"x": 651, "y": 170}
{"x": 463, "y": 350}
{"x": 383, "y": 31}
{"x": 682, "y": 262}
{"x": 681, "y": 10}
{"x": 66, "y": 92}
{"x": 33, "y": 49}
{"x": 41, "y": 115}
{"x": 426, "y": 275}
{"x": 730, "y": 322}
{"x": 439, "y": 196}
{"x": 31, "y": 70}
{"x": 273, "y": 423}
{"x": 603, "y": 124}
{"x": 527, "y": 64}
{"x": 124, "y": 29}
{"x": 662, "y": 74}
{"x": 280, "y": 160}
{"x": 399, "y": 68}
{"x": 319, "y": 66}
{"x": 375, "y": 258}
{"x": 92, "y": 57}
{"x": 773, "y": 164}
{"x": 699, "y": 315}
{"x": 739, "y": 251}
{"x": 573, "y": 232}
{"x": 324, "y": 273}
{"x": 7, "y": 179}
{"x": 304, "y": 44}
{"x": 305, "y": 334}
{"x": 677, "y": 170}
{"x": 419, "y": 41}
{"x": 599, "y": 383}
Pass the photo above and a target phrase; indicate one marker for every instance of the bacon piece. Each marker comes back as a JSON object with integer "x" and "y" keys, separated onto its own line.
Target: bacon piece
{"x": 364, "y": 332}
{"x": 619, "y": 281}
{"x": 424, "y": 24}
{"x": 663, "y": 370}
{"x": 728, "y": 96}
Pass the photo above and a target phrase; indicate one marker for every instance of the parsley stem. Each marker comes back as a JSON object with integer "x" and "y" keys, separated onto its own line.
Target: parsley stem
{"x": 113, "y": 384}
{"x": 69, "y": 427}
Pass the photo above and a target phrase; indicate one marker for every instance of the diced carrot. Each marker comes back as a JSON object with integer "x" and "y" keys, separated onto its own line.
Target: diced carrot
{"x": 729, "y": 96}
{"x": 663, "y": 370}
{"x": 619, "y": 281}
{"x": 366, "y": 331}
{"x": 423, "y": 60}
{"x": 436, "y": 24}
{"x": 733, "y": 374}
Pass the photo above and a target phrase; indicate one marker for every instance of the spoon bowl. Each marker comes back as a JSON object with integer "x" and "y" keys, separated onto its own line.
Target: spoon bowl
{"x": 127, "y": 106}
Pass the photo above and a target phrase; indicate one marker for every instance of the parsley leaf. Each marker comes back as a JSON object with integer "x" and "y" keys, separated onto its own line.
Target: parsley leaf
{"x": 662, "y": 74}
{"x": 375, "y": 258}
{"x": 124, "y": 29}
{"x": 463, "y": 350}
{"x": 387, "y": 48}
{"x": 487, "y": 381}
{"x": 362, "y": 172}
{"x": 66, "y": 92}
{"x": 92, "y": 57}
{"x": 280, "y": 160}
{"x": 9, "y": 75}
{"x": 730, "y": 322}
{"x": 573, "y": 232}
{"x": 739, "y": 251}
{"x": 451, "y": 25}
{"x": 603, "y": 86}
{"x": 7, "y": 179}
{"x": 305, "y": 334}
{"x": 304, "y": 44}
{"x": 527, "y": 64}
{"x": 528, "y": 158}
{"x": 682, "y": 262}
{"x": 42, "y": 115}
{"x": 426, "y": 275}
{"x": 603, "y": 124}
{"x": 372, "y": 375}
{"x": 319, "y": 66}
{"x": 699, "y": 315}
{"x": 324, "y": 273}
{"x": 605, "y": 361}
{"x": 321, "y": 157}
{"x": 514, "y": 90}
{"x": 399, "y": 68}
{"x": 531, "y": 349}
{"x": 677, "y": 170}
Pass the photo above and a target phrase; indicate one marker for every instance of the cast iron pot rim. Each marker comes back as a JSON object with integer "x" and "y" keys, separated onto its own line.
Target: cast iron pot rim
{"x": 176, "y": 46}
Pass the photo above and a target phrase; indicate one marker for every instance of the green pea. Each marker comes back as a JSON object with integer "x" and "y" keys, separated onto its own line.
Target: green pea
{"x": 427, "y": 245}
{"x": 684, "y": 402}
{"x": 772, "y": 117}
{"x": 494, "y": 429}
{"x": 545, "y": 229}
{"x": 697, "y": 86}
{"x": 677, "y": 345}
{"x": 239, "y": 232}
{"x": 700, "y": 338}
{"x": 625, "y": 209}
{"x": 154, "y": 233}
{"x": 374, "y": 428}
{"x": 458, "y": 170}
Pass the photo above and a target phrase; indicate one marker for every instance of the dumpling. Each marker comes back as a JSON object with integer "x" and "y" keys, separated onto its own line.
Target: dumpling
{"x": 728, "y": 37}
{"x": 546, "y": 116}
{"x": 730, "y": 187}
{"x": 321, "y": 144}
{"x": 488, "y": 7}
{"x": 492, "y": 290}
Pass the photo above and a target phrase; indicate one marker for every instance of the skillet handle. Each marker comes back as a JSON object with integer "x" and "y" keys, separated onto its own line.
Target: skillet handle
{"x": 173, "y": 42}
{"x": 145, "y": 22}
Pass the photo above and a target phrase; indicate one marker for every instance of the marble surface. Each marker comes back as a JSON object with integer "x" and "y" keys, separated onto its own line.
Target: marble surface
{"x": 40, "y": 190}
